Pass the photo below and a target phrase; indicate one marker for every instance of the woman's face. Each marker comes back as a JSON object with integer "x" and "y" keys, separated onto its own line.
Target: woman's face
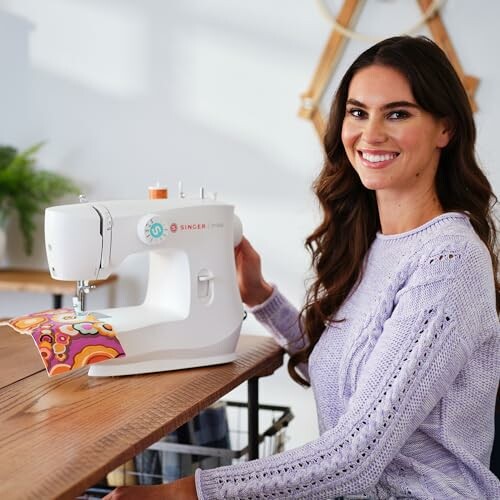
{"x": 392, "y": 143}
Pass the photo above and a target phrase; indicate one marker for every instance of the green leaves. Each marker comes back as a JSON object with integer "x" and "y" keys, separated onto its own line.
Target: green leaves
{"x": 26, "y": 190}
{"x": 7, "y": 154}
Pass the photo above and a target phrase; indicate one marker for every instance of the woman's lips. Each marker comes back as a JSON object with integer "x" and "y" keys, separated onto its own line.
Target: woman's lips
{"x": 377, "y": 159}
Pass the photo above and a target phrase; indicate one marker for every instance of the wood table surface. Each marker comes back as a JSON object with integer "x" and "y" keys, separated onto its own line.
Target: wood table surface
{"x": 18, "y": 355}
{"x": 39, "y": 281}
{"x": 61, "y": 435}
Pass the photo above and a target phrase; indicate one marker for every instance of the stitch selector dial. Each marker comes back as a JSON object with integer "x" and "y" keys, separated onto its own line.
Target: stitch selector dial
{"x": 151, "y": 230}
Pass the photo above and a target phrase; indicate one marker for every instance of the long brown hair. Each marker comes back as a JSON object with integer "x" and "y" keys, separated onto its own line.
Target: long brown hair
{"x": 338, "y": 246}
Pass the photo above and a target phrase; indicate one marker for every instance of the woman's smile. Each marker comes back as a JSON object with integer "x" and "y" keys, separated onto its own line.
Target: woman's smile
{"x": 377, "y": 159}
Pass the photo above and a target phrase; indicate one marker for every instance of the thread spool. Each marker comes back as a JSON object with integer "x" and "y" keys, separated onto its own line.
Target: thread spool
{"x": 158, "y": 192}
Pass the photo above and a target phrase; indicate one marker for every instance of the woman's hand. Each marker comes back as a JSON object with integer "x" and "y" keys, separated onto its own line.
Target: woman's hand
{"x": 253, "y": 288}
{"x": 183, "y": 489}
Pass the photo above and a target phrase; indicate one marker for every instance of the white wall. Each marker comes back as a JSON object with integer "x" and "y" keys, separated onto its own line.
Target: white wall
{"x": 130, "y": 92}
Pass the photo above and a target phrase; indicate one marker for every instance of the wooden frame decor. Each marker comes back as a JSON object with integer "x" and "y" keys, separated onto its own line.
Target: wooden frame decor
{"x": 331, "y": 54}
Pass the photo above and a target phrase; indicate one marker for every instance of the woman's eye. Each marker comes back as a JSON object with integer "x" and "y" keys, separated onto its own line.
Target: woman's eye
{"x": 398, "y": 115}
{"x": 356, "y": 113}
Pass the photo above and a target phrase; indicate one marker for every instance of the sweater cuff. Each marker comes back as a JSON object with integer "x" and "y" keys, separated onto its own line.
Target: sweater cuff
{"x": 205, "y": 491}
{"x": 272, "y": 304}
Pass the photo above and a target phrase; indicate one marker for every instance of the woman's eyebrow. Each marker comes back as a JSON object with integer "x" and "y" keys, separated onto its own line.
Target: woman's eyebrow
{"x": 389, "y": 105}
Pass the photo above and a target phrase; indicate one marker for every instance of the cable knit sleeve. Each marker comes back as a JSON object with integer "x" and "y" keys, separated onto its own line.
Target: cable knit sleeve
{"x": 444, "y": 310}
{"x": 281, "y": 319}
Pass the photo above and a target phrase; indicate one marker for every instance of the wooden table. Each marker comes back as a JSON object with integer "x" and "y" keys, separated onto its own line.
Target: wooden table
{"x": 60, "y": 436}
{"x": 38, "y": 281}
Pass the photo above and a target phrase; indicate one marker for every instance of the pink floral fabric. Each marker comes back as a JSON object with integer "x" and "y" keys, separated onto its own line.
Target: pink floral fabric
{"x": 67, "y": 342}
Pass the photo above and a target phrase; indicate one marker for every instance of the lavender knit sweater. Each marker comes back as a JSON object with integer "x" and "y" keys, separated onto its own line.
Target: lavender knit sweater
{"x": 405, "y": 386}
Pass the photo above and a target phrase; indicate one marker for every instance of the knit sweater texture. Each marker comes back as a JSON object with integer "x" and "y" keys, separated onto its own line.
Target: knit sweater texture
{"x": 405, "y": 384}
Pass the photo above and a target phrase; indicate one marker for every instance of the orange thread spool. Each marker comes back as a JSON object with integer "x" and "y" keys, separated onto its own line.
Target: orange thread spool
{"x": 158, "y": 192}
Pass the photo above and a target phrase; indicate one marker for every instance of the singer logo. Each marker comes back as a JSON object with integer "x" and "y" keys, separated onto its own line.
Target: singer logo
{"x": 187, "y": 227}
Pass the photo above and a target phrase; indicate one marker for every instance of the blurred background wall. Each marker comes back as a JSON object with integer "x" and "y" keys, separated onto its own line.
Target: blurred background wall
{"x": 127, "y": 93}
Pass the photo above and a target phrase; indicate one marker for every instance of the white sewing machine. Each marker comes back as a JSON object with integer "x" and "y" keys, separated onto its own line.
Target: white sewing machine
{"x": 192, "y": 312}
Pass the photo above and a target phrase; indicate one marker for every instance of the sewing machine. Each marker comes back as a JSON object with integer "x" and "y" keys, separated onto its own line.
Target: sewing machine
{"x": 192, "y": 313}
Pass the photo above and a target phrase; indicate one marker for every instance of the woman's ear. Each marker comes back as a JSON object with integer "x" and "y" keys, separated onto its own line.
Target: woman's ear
{"x": 445, "y": 133}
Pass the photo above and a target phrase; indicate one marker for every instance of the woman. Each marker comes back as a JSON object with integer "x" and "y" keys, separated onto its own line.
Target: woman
{"x": 399, "y": 337}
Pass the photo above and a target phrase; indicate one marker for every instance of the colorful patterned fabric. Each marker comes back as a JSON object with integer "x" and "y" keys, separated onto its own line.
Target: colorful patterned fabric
{"x": 67, "y": 342}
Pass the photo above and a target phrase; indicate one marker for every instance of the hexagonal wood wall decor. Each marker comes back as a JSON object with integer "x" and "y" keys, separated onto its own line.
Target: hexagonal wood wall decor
{"x": 331, "y": 54}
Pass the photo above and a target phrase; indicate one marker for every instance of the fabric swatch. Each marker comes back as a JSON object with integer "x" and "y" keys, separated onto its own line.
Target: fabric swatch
{"x": 66, "y": 342}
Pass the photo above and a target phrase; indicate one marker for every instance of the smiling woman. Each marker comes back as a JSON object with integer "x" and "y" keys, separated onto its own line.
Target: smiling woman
{"x": 399, "y": 337}
{"x": 394, "y": 145}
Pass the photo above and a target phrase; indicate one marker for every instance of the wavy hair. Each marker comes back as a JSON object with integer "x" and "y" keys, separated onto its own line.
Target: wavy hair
{"x": 350, "y": 220}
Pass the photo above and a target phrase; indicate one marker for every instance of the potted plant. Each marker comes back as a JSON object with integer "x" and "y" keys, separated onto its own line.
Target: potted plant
{"x": 26, "y": 190}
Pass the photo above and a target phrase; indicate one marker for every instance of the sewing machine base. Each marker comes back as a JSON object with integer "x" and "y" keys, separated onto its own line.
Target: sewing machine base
{"x": 156, "y": 365}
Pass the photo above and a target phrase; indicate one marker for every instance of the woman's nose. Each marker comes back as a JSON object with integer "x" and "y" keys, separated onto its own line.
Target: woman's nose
{"x": 374, "y": 131}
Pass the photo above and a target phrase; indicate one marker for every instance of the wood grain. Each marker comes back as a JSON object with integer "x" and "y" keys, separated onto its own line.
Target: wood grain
{"x": 59, "y": 436}
{"x": 18, "y": 355}
{"x": 38, "y": 281}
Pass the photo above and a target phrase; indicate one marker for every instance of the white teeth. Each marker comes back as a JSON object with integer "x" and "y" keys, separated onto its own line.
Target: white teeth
{"x": 378, "y": 158}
